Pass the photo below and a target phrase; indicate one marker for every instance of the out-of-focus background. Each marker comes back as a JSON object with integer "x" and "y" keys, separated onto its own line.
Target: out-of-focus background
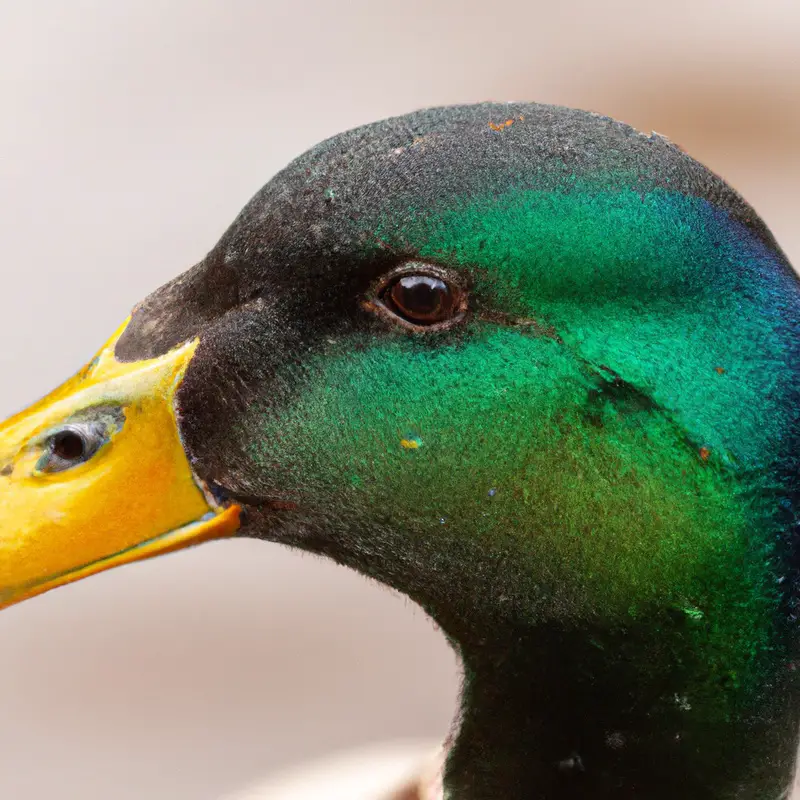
{"x": 131, "y": 132}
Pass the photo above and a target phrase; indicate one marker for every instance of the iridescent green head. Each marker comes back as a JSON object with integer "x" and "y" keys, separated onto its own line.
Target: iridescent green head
{"x": 541, "y": 373}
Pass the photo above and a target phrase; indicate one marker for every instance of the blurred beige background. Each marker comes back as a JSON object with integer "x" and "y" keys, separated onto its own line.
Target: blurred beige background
{"x": 131, "y": 132}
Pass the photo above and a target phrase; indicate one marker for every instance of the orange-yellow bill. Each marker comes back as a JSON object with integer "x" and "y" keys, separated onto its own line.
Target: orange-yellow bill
{"x": 95, "y": 475}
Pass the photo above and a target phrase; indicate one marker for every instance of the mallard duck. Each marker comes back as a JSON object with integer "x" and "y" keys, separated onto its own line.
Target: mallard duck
{"x": 533, "y": 368}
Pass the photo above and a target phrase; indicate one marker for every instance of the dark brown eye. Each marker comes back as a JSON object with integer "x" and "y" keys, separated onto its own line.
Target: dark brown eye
{"x": 422, "y": 299}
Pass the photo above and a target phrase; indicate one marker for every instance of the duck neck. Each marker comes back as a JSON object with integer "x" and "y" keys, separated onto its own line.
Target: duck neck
{"x": 563, "y": 714}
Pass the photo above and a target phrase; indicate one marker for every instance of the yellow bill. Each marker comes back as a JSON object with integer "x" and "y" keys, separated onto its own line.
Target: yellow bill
{"x": 95, "y": 475}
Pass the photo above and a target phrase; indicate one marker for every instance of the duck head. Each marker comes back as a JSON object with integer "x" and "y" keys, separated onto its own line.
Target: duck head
{"x": 534, "y": 369}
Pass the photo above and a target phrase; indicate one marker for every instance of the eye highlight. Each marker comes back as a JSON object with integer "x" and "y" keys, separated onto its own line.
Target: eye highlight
{"x": 421, "y": 296}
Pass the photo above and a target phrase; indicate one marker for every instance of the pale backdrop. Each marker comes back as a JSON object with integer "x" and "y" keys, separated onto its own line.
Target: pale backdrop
{"x": 131, "y": 132}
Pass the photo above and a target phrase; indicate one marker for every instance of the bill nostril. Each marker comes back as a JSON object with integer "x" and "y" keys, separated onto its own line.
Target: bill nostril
{"x": 6, "y": 470}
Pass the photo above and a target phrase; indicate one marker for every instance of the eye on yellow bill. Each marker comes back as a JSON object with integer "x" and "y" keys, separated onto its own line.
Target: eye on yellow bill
{"x": 95, "y": 475}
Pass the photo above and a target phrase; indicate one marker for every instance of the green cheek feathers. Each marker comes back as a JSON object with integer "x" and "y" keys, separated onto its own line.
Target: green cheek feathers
{"x": 595, "y": 494}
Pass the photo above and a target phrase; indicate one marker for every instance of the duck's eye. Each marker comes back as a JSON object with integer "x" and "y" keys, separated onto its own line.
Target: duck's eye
{"x": 69, "y": 446}
{"x": 422, "y": 299}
